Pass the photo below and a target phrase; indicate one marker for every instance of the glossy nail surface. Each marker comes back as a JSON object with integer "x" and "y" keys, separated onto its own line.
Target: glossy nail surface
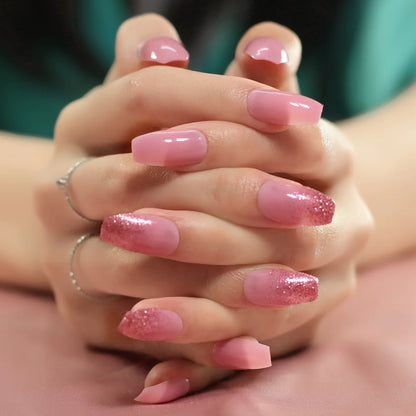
{"x": 151, "y": 324}
{"x": 142, "y": 233}
{"x": 242, "y": 353}
{"x": 162, "y": 50}
{"x": 164, "y": 392}
{"x": 268, "y": 49}
{"x": 278, "y": 287}
{"x": 282, "y": 108}
{"x": 170, "y": 148}
{"x": 291, "y": 204}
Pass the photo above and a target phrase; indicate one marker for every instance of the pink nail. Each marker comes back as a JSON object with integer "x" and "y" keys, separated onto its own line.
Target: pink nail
{"x": 162, "y": 50}
{"x": 282, "y": 108}
{"x": 142, "y": 233}
{"x": 266, "y": 48}
{"x": 164, "y": 392}
{"x": 290, "y": 204}
{"x": 170, "y": 148}
{"x": 242, "y": 353}
{"x": 151, "y": 324}
{"x": 278, "y": 287}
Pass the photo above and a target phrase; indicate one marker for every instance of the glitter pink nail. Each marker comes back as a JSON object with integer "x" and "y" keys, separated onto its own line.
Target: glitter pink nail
{"x": 291, "y": 204}
{"x": 279, "y": 287}
{"x": 151, "y": 324}
{"x": 142, "y": 233}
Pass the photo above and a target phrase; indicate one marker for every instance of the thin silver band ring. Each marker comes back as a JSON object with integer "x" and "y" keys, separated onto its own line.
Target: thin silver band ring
{"x": 72, "y": 274}
{"x": 62, "y": 183}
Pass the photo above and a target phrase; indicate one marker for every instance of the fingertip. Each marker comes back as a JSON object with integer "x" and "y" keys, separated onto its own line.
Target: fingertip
{"x": 172, "y": 379}
{"x": 242, "y": 353}
{"x": 163, "y": 47}
{"x": 268, "y": 53}
{"x": 163, "y": 50}
{"x": 267, "y": 48}
{"x": 165, "y": 391}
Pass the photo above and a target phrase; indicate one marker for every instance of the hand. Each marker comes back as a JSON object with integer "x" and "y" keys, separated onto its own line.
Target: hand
{"x": 98, "y": 321}
{"x": 318, "y": 152}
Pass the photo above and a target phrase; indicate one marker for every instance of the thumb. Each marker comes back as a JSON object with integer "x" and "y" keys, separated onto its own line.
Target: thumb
{"x": 268, "y": 53}
{"x": 146, "y": 40}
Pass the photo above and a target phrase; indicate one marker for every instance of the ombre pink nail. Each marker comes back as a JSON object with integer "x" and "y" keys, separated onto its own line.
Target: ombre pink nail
{"x": 283, "y": 108}
{"x": 162, "y": 50}
{"x": 151, "y": 324}
{"x": 242, "y": 353}
{"x": 279, "y": 287}
{"x": 164, "y": 392}
{"x": 268, "y": 49}
{"x": 170, "y": 148}
{"x": 142, "y": 233}
{"x": 290, "y": 204}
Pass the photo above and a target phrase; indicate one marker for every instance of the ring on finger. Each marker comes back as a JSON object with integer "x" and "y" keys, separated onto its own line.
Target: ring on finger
{"x": 72, "y": 274}
{"x": 63, "y": 183}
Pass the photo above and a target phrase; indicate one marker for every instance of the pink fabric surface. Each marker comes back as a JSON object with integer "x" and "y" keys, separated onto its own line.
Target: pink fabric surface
{"x": 363, "y": 363}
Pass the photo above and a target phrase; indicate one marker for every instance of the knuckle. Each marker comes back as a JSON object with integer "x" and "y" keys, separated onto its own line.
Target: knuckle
{"x": 336, "y": 149}
{"x": 306, "y": 248}
{"x": 363, "y": 227}
{"x": 229, "y": 182}
{"x": 126, "y": 181}
{"x": 43, "y": 198}
{"x": 135, "y": 90}
{"x": 65, "y": 121}
{"x": 314, "y": 154}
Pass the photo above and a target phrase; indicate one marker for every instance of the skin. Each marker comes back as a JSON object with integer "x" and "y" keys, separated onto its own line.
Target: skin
{"x": 97, "y": 322}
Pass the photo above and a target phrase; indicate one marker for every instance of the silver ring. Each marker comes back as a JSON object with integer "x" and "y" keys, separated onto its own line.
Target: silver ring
{"x": 62, "y": 183}
{"x": 72, "y": 275}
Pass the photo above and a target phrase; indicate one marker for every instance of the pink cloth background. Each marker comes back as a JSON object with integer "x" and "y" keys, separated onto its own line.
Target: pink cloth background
{"x": 363, "y": 363}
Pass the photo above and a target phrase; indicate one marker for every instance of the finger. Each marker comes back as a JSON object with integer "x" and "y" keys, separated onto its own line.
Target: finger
{"x": 113, "y": 184}
{"x": 266, "y": 284}
{"x": 268, "y": 53}
{"x": 184, "y": 320}
{"x": 161, "y": 97}
{"x": 307, "y": 152}
{"x": 146, "y": 40}
{"x": 100, "y": 268}
{"x": 194, "y": 237}
{"x": 172, "y": 379}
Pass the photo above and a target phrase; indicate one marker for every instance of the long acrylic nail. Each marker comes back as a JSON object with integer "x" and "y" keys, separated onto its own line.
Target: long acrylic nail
{"x": 170, "y": 148}
{"x": 142, "y": 233}
{"x": 162, "y": 50}
{"x": 152, "y": 324}
{"x": 164, "y": 392}
{"x": 283, "y": 108}
{"x": 290, "y": 204}
{"x": 279, "y": 287}
{"x": 242, "y": 353}
{"x": 268, "y": 49}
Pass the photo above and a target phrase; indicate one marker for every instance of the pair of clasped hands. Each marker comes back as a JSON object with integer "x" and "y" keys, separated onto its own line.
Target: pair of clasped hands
{"x": 215, "y": 230}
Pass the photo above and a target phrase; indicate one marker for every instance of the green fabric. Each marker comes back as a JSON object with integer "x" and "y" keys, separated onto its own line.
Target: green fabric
{"x": 370, "y": 57}
{"x": 31, "y": 106}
